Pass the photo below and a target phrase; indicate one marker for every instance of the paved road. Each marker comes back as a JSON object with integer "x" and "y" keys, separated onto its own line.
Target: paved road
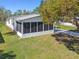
{"x": 71, "y": 33}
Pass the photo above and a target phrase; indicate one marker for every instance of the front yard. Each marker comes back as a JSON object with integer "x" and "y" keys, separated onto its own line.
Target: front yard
{"x": 42, "y": 47}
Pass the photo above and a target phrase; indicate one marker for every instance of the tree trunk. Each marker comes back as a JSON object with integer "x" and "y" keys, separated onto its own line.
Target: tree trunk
{"x": 77, "y": 24}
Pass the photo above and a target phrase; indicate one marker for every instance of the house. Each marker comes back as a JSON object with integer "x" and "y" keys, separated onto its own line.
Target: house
{"x": 29, "y": 25}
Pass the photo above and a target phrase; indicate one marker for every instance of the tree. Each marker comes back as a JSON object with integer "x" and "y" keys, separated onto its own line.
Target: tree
{"x": 18, "y": 12}
{"x": 7, "y": 55}
{"x": 25, "y": 12}
{"x": 55, "y": 10}
{"x": 21, "y": 12}
{"x": 36, "y": 10}
{"x": 8, "y": 13}
{"x": 4, "y": 13}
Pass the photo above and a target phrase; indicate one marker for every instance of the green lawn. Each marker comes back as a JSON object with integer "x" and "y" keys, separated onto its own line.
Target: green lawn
{"x": 42, "y": 47}
{"x": 66, "y": 27}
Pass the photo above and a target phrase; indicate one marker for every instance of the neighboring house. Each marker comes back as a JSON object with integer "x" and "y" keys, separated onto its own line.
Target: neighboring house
{"x": 29, "y": 25}
{"x": 67, "y": 24}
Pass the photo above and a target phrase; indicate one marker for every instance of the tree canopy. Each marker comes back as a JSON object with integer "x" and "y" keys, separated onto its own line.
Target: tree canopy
{"x": 21, "y": 12}
{"x": 4, "y": 13}
{"x": 54, "y": 10}
{"x": 36, "y": 10}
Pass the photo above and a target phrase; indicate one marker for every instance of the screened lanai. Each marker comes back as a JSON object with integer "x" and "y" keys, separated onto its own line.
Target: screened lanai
{"x": 32, "y": 27}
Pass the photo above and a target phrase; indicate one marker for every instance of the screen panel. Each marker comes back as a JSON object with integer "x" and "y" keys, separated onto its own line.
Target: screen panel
{"x": 40, "y": 26}
{"x": 33, "y": 26}
{"x": 26, "y": 27}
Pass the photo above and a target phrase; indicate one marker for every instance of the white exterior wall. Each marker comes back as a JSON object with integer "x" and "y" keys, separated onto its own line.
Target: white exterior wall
{"x": 36, "y": 34}
{"x": 9, "y": 24}
{"x": 19, "y": 34}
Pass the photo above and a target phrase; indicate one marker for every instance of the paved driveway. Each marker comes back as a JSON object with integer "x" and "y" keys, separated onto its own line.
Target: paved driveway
{"x": 71, "y": 33}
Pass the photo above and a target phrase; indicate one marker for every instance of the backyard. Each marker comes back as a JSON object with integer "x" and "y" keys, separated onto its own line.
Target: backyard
{"x": 42, "y": 47}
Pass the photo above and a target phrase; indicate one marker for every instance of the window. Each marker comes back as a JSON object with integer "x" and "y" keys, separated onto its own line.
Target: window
{"x": 26, "y": 27}
{"x": 33, "y": 27}
{"x": 40, "y": 26}
{"x": 45, "y": 27}
{"x": 18, "y": 26}
{"x": 50, "y": 27}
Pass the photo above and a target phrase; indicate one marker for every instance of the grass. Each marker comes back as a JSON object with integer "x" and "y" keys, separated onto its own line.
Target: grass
{"x": 66, "y": 27}
{"x": 42, "y": 47}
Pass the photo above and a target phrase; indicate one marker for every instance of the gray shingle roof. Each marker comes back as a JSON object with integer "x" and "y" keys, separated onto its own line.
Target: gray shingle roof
{"x": 22, "y": 17}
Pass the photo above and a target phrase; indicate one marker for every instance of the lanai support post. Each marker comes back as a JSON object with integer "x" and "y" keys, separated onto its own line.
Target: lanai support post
{"x": 30, "y": 27}
{"x": 43, "y": 26}
{"x": 37, "y": 26}
{"x": 22, "y": 30}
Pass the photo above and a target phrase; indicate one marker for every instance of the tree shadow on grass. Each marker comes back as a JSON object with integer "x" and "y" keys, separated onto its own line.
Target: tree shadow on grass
{"x": 11, "y": 33}
{"x": 7, "y": 55}
{"x": 1, "y": 38}
{"x": 77, "y": 31}
{"x": 72, "y": 43}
